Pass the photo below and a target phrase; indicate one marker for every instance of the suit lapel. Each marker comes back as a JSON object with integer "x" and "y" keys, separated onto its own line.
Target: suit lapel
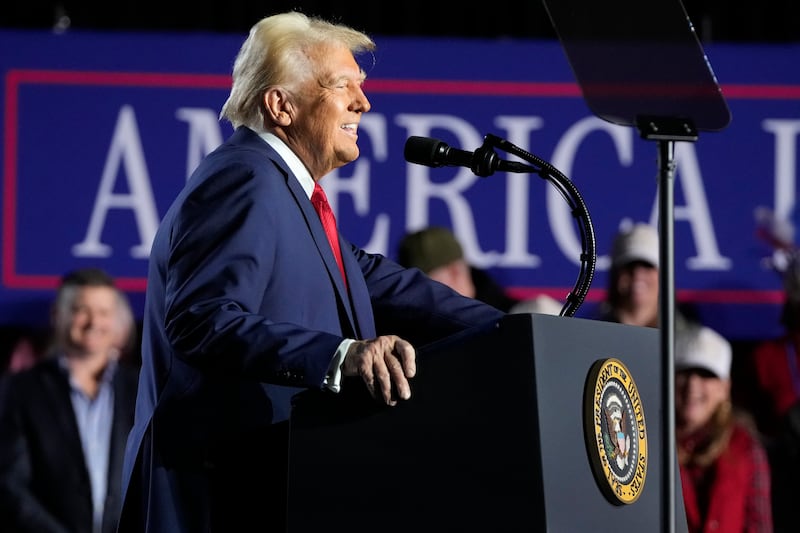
{"x": 56, "y": 393}
{"x": 124, "y": 402}
{"x": 324, "y": 248}
{"x": 355, "y": 277}
{"x": 359, "y": 294}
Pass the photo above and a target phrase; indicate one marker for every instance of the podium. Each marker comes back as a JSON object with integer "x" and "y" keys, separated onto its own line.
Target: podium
{"x": 497, "y": 436}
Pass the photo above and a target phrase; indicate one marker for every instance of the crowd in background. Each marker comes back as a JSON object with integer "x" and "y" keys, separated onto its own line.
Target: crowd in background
{"x": 737, "y": 413}
{"x": 737, "y": 406}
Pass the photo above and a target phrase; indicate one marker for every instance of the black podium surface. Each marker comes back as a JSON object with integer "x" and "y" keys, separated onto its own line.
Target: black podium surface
{"x": 493, "y": 438}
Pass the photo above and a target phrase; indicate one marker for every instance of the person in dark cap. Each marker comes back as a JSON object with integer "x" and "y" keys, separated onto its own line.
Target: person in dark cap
{"x": 435, "y": 250}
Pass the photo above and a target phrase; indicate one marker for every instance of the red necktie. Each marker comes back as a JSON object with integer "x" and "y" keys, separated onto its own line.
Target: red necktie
{"x": 323, "y": 208}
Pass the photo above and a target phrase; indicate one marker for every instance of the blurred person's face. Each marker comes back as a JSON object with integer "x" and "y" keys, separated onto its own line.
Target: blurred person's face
{"x": 457, "y": 276}
{"x": 637, "y": 286}
{"x": 23, "y": 356}
{"x": 698, "y": 394}
{"x": 94, "y": 324}
{"x": 325, "y": 112}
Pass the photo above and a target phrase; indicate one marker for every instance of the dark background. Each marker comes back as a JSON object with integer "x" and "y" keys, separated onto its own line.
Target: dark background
{"x": 771, "y": 21}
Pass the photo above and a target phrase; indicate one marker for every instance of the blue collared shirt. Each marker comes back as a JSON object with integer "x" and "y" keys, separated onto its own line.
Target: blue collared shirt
{"x": 94, "y": 417}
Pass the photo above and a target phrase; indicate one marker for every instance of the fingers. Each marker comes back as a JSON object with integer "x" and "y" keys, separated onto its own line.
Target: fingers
{"x": 384, "y": 364}
{"x": 407, "y": 355}
{"x": 385, "y": 376}
{"x": 392, "y": 380}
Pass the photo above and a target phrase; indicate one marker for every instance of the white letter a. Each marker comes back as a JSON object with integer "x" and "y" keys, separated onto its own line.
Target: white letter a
{"x": 126, "y": 149}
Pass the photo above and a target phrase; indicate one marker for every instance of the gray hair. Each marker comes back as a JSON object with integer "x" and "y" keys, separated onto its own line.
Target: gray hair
{"x": 275, "y": 53}
{"x": 71, "y": 285}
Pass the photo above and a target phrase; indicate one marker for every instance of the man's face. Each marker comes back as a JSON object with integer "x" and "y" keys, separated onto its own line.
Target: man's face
{"x": 455, "y": 275}
{"x": 327, "y": 111}
{"x": 94, "y": 322}
{"x": 637, "y": 285}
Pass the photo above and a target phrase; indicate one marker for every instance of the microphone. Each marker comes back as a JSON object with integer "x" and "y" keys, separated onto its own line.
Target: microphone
{"x": 435, "y": 153}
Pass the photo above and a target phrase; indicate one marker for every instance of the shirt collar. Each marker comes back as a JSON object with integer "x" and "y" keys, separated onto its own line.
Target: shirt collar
{"x": 290, "y": 158}
{"x": 108, "y": 371}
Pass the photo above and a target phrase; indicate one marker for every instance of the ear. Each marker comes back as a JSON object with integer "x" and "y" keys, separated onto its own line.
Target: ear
{"x": 277, "y": 105}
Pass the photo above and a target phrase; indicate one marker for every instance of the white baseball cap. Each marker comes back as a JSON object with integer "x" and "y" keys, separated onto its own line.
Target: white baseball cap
{"x": 702, "y": 347}
{"x": 542, "y": 304}
{"x": 637, "y": 243}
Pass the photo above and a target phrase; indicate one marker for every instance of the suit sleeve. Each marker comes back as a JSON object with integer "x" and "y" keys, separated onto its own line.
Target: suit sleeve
{"x": 408, "y": 303}
{"x": 222, "y": 259}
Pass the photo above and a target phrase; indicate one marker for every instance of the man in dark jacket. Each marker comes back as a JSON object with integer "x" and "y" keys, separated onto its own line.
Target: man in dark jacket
{"x": 64, "y": 422}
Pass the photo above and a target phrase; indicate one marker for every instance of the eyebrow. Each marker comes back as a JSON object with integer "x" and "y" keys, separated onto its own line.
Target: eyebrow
{"x": 333, "y": 80}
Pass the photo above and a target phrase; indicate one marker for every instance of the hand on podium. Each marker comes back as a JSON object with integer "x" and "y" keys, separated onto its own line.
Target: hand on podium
{"x": 385, "y": 364}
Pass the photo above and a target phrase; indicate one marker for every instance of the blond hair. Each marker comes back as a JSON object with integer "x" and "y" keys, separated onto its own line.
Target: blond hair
{"x": 275, "y": 53}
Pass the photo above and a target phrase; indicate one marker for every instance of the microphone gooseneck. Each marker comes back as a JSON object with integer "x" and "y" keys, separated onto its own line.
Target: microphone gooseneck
{"x": 484, "y": 162}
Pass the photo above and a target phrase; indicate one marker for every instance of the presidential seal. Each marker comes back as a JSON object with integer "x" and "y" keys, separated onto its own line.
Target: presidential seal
{"x": 615, "y": 431}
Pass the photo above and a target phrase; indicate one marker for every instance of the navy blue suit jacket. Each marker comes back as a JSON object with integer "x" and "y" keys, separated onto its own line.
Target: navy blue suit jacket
{"x": 245, "y": 306}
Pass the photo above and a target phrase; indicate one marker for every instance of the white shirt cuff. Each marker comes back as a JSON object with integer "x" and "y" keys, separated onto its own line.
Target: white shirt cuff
{"x": 333, "y": 378}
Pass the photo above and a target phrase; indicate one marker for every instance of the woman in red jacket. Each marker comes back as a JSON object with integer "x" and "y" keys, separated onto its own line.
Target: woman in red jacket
{"x": 725, "y": 474}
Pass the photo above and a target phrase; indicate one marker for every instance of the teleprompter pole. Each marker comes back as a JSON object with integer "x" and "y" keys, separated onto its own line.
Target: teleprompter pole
{"x": 667, "y": 131}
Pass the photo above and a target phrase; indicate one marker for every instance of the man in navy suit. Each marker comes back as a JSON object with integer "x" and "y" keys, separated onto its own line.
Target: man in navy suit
{"x": 64, "y": 422}
{"x": 247, "y": 303}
